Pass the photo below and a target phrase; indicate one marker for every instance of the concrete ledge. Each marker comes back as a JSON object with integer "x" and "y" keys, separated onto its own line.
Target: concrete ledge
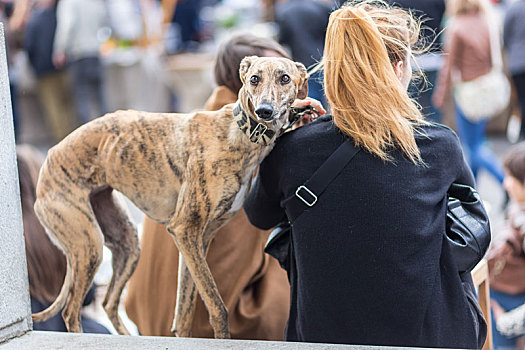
{"x": 15, "y": 329}
{"x": 55, "y": 340}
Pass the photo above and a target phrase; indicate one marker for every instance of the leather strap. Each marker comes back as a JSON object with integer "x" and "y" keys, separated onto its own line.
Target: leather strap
{"x": 307, "y": 194}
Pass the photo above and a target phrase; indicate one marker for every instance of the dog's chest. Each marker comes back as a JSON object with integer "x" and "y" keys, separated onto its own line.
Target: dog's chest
{"x": 245, "y": 187}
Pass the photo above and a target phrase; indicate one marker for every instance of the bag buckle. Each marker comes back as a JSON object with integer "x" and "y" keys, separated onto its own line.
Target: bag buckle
{"x": 314, "y": 197}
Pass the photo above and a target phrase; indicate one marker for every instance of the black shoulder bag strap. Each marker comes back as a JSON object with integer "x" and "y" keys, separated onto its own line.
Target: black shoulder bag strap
{"x": 279, "y": 244}
{"x": 307, "y": 194}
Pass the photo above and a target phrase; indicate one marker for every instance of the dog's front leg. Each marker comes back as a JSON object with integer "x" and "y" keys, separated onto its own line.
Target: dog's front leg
{"x": 189, "y": 239}
{"x": 186, "y": 299}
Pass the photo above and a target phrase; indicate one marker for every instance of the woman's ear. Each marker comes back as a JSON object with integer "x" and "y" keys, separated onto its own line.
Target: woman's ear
{"x": 399, "y": 68}
{"x": 302, "y": 91}
{"x": 403, "y": 72}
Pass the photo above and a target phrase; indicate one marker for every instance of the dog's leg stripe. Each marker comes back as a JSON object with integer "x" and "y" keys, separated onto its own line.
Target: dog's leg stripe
{"x": 81, "y": 210}
{"x": 143, "y": 150}
{"x": 174, "y": 168}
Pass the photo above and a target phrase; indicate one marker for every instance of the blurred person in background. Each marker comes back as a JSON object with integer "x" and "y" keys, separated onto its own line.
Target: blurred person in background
{"x": 467, "y": 50}
{"x": 253, "y": 286}
{"x": 185, "y": 26}
{"x": 53, "y": 86}
{"x": 302, "y": 28}
{"x": 431, "y": 14}
{"x": 77, "y": 44}
{"x": 12, "y": 29}
{"x": 506, "y": 259}
{"x": 510, "y": 323}
{"x": 46, "y": 264}
{"x": 514, "y": 44}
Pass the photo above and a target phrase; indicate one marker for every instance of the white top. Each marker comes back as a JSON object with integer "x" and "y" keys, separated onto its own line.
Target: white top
{"x": 78, "y": 25}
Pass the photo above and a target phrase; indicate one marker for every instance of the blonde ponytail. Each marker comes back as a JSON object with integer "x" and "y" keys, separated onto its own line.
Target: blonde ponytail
{"x": 363, "y": 42}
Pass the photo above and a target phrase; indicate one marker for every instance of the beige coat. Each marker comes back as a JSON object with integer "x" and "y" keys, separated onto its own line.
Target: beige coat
{"x": 253, "y": 286}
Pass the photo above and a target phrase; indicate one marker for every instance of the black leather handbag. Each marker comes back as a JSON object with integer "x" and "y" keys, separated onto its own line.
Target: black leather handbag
{"x": 467, "y": 227}
{"x": 279, "y": 245}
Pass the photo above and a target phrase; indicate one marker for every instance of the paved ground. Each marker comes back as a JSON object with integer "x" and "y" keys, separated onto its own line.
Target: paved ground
{"x": 54, "y": 340}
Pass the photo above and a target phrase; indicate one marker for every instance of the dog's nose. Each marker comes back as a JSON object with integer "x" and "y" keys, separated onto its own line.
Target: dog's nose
{"x": 264, "y": 112}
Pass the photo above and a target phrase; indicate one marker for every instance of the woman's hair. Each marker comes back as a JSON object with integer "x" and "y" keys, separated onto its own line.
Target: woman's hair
{"x": 46, "y": 265}
{"x": 363, "y": 42}
{"x": 514, "y": 161}
{"x": 231, "y": 53}
{"x": 460, "y": 7}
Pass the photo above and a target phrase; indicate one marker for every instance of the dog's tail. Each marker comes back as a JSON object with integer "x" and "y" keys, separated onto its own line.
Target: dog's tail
{"x": 59, "y": 302}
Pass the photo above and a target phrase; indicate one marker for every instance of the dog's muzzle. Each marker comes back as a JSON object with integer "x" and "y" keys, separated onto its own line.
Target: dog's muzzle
{"x": 264, "y": 112}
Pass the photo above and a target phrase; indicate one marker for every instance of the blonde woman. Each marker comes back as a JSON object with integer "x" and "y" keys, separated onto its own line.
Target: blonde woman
{"x": 372, "y": 264}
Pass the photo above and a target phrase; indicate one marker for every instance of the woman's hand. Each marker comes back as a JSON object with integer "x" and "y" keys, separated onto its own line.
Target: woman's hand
{"x": 317, "y": 112}
{"x": 59, "y": 59}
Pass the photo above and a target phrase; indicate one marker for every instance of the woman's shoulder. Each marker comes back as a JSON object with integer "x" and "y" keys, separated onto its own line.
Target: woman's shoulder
{"x": 440, "y": 137}
{"x": 437, "y": 129}
{"x": 317, "y": 129}
{"x": 314, "y": 135}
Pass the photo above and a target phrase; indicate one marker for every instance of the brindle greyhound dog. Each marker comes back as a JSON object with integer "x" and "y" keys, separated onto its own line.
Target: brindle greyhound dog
{"x": 188, "y": 171}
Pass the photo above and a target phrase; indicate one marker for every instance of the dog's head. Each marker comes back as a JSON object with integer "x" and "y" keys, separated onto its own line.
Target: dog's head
{"x": 270, "y": 85}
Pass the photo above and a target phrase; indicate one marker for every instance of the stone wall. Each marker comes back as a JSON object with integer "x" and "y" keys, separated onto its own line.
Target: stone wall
{"x": 15, "y": 318}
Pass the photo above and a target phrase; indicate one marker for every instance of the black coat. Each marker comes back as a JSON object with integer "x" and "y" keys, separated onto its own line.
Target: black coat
{"x": 372, "y": 266}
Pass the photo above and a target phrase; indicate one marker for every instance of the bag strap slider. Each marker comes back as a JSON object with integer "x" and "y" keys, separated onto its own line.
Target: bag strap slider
{"x": 308, "y": 203}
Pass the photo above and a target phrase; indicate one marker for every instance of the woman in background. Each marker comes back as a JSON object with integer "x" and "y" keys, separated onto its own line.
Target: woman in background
{"x": 513, "y": 34}
{"x": 467, "y": 50}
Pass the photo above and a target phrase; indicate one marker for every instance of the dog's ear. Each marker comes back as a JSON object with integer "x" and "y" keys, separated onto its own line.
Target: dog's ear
{"x": 302, "y": 91}
{"x": 245, "y": 65}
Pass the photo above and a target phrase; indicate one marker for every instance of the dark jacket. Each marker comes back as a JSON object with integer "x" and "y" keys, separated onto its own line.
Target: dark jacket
{"x": 513, "y": 34}
{"x": 302, "y": 27}
{"x": 372, "y": 264}
{"x": 38, "y": 42}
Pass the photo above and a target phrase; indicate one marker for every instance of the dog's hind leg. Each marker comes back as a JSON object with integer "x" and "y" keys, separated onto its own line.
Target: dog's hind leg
{"x": 70, "y": 222}
{"x": 121, "y": 238}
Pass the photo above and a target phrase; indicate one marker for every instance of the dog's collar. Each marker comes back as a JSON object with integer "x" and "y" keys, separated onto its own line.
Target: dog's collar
{"x": 257, "y": 132}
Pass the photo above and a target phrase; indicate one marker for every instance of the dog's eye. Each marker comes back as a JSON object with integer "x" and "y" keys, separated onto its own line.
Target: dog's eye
{"x": 254, "y": 80}
{"x": 285, "y": 79}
